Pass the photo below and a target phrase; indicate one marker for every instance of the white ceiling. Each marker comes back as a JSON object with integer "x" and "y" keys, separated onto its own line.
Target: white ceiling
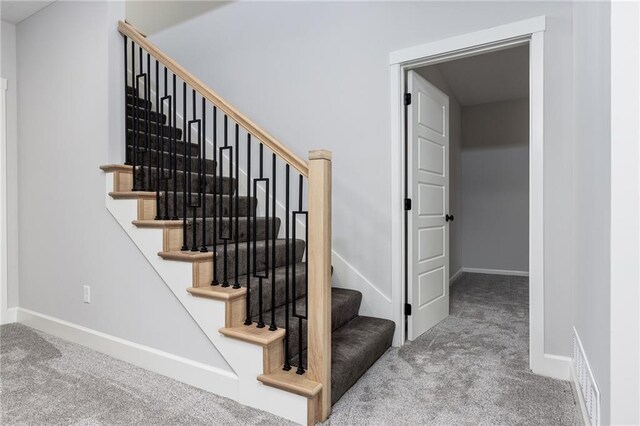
{"x": 17, "y": 11}
{"x": 492, "y": 77}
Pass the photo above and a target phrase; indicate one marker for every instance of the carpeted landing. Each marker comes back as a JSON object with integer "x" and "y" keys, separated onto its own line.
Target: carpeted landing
{"x": 471, "y": 369}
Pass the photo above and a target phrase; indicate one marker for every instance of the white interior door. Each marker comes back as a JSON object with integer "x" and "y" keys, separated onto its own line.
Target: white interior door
{"x": 428, "y": 236}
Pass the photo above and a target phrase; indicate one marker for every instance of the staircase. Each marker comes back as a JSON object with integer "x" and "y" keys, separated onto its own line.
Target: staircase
{"x": 217, "y": 195}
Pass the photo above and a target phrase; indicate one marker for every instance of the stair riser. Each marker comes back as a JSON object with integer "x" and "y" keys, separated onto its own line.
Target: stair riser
{"x": 345, "y": 305}
{"x": 355, "y": 348}
{"x": 260, "y": 264}
{"x": 154, "y": 129}
{"x": 300, "y": 275}
{"x": 246, "y": 206}
{"x": 209, "y": 165}
{"x": 138, "y": 102}
{"x": 226, "y": 227}
{"x": 165, "y": 142}
{"x": 224, "y": 185}
{"x": 141, "y": 112}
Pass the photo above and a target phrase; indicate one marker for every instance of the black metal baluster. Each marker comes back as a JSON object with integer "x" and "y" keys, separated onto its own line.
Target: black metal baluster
{"x": 248, "y": 320}
{"x": 137, "y": 100}
{"x": 171, "y": 172}
{"x": 236, "y": 199}
{"x": 159, "y": 137}
{"x": 226, "y": 233}
{"x": 306, "y": 268}
{"x": 261, "y": 323}
{"x": 299, "y": 212}
{"x": 216, "y": 202}
{"x": 126, "y": 104}
{"x": 186, "y": 163}
{"x": 194, "y": 207}
{"x": 142, "y": 76}
{"x": 203, "y": 182}
{"x": 147, "y": 100}
{"x": 134, "y": 115}
{"x": 225, "y": 272}
{"x": 273, "y": 325}
{"x": 159, "y": 114}
{"x": 287, "y": 353}
{"x": 174, "y": 144}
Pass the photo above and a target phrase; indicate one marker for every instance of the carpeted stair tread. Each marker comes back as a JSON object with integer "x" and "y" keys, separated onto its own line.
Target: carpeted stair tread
{"x": 224, "y": 184}
{"x": 345, "y": 305}
{"x": 226, "y": 228}
{"x": 355, "y": 347}
{"x": 165, "y": 143}
{"x": 138, "y": 102}
{"x": 141, "y": 112}
{"x": 130, "y": 90}
{"x": 209, "y": 165}
{"x": 226, "y": 203}
{"x": 280, "y": 275}
{"x": 260, "y": 247}
{"x": 154, "y": 129}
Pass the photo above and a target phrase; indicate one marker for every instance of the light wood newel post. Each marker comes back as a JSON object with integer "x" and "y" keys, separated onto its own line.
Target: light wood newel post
{"x": 319, "y": 259}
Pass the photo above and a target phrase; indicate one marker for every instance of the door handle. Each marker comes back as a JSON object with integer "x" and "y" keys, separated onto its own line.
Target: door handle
{"x": 448, "y": 218}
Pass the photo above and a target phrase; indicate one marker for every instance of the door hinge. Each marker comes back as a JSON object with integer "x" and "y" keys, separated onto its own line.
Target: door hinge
{"x": 407, "y": 203}
{"x": 407, "y": 99}
{"x": 407, "y": 309}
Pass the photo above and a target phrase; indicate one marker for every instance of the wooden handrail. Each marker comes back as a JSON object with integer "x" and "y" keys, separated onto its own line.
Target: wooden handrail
{"x": 272, "y": 143}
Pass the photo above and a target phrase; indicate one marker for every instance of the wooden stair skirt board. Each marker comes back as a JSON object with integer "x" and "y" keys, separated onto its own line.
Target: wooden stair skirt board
{"x": 212, "y": 309}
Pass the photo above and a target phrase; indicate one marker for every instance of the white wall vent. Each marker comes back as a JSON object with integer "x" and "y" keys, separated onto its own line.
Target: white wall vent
{"x": 586, "y": 382}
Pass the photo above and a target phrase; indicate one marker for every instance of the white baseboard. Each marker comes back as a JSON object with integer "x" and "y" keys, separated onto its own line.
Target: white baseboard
{"x": 206, "y": 377}
{"x": 578, "y": 395}
{"x": 494, "y": 272}
{"x": 554, "y": 366}
{"x": 9, "y": 316}
{"x": 455, "y": 276}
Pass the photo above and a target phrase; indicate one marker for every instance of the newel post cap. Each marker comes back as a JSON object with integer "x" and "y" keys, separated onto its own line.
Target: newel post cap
{"x": 320, "y": 154}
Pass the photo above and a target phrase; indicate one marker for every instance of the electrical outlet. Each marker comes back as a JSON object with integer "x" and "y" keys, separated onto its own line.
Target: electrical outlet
{"x": 87, "y": 294}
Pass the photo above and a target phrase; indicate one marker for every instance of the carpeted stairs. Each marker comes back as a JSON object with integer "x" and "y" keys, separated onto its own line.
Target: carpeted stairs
{"x": 357, "y": 341}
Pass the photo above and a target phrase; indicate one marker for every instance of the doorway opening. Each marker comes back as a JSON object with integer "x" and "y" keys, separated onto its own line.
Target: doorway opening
{"x": 467, "y": 170}
{"x": 529, "y": 32}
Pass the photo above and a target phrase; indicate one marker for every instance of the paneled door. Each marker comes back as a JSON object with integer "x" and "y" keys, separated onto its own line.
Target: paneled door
{"x": 428, "y": 233}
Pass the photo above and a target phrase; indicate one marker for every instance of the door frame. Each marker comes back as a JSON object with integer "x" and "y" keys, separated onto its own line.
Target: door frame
{"x": 4, "y": 264}
{"x": 531, "y": 32}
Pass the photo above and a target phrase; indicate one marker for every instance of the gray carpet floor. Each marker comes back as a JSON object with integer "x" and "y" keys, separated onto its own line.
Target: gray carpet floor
{"x": 471, "y": 369}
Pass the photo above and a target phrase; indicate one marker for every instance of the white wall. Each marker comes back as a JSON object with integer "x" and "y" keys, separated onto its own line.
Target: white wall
{"x": 592, "y": 189}
{"x": 494, "y": 186}
{"x": 316, "y": 75}
{"x": 69, "y": 116}
{"x": 151, "y": 16}
{"x": 625, "y": 213}
{"x": 9, "y": 72}
{"x": 434, "y": 76}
